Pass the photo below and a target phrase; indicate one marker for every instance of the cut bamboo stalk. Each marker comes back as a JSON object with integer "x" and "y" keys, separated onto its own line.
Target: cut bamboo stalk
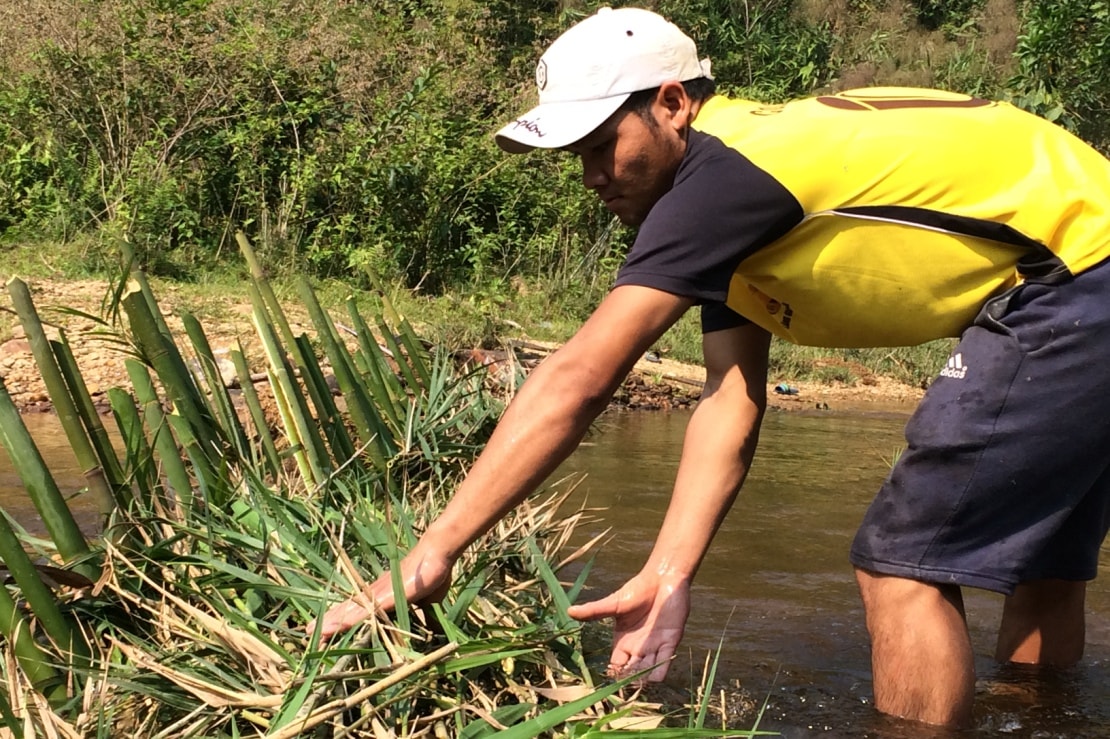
{"x": 328, "y": 417}
{"x": 367, "y": 422}
{"x": 169, "y": 455}
{"x": 217, "y": 392}
{"x": 305, "y": 451}
{"x": 276, "y": 352}
{"x": 67, "y": 639}
{"x": 254, "y": 407}
{"x": 37, "y": 665}
{"x": 41, "y": 487}
{"x": 109, "y": 463}
{"x": 196, "y": 429}
{"x": 137, "y": 448}
{"x": 387, "y": 390}
{"x": 60, "y": 397}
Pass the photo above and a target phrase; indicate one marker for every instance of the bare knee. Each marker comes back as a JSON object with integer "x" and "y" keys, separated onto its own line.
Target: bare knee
{"x": 1043, "y": 623}
{"x": 920, "y": 650}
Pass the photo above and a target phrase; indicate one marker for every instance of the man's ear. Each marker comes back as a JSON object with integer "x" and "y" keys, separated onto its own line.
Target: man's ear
{"x": 674, "y": 106}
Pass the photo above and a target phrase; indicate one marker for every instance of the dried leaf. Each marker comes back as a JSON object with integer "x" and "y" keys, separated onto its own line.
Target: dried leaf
{"x": 215, "y": 696}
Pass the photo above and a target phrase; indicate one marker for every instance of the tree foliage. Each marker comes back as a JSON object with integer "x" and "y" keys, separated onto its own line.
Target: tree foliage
{"x": 353, "y": 138}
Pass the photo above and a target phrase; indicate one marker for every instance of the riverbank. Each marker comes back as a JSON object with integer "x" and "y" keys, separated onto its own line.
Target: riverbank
{"x": 76, "y": 307}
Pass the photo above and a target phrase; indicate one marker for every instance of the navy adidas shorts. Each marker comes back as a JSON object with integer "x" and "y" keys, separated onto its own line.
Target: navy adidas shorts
{"x": 1006, "y": 476}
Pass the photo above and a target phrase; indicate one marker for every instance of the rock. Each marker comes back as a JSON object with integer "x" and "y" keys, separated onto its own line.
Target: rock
{"x": 13, "y": 348}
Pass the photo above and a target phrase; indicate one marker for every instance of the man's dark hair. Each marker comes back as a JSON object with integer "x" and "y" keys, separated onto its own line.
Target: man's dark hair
{"x": 699, "y": 90}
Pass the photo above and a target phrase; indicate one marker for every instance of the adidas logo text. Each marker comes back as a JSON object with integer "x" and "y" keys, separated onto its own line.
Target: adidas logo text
{"x": 955, "y": 367}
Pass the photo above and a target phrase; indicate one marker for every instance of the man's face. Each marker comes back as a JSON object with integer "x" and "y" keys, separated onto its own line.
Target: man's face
{"x": 630, "y": 162}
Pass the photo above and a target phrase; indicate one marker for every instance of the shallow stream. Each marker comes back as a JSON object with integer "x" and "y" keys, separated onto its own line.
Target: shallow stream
{"x": 776, "y": 597}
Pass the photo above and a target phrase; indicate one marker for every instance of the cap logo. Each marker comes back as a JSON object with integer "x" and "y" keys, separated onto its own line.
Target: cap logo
{"x": 541, "y": 74}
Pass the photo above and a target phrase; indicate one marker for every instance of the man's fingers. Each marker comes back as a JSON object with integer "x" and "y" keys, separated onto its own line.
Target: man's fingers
{"x": 662, "y": 664}
{"x": 594, "y": 610}
{"x": 341, "y": 616}
{"x": 625, "y": 666}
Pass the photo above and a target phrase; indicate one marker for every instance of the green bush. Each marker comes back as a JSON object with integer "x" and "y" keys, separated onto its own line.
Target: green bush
{"x": 353, "y": 139}
{"x": 1064, "y": 65}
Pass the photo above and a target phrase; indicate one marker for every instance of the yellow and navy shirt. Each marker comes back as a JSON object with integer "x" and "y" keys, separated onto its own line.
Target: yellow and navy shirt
{"x": 876, "y": 217}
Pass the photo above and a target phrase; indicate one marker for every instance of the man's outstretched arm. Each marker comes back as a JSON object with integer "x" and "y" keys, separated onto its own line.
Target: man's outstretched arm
{"x": 651, "y": 609}
{"x": 540, "y": 428}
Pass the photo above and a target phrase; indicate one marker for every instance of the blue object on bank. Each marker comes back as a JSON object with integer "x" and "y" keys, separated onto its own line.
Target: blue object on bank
{"x": 783, "y": 389}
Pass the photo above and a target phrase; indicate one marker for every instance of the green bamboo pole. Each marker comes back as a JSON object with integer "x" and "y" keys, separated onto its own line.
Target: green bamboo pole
{"x": 418, "y": 356}
{"x": 157, "y": 345}
{"x": 36, "y": 664}
{"x": 196, "y": 429}
{"x": 265, "y": 291}
{"x": 138, "y": 450}
{"x": 137, "y": 279}
{"x": 217, "y": 392}
{"x": 403, "y": 362}
{"x": 254, "y": 406}
{"x": 307, "y": 447}
{"x": 67, "y": 639}
{"x": 384, "y": 385}
{"x": 329, "y": 418}
{"x": 312, "y": 475}
{"x": 359, "y": 391}
{"x": 41, "y": 487}
{"x": 320, "y": 398}
{"x": 264, "y": 320}
{"x": 109, "y": 466}
{"x": 60, "y": 397}
{"x": 368, "y": 423}
{"x": 163, "y": 440}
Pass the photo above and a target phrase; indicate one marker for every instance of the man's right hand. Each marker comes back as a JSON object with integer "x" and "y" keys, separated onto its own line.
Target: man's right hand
{"x": 425, "y": 577}
{"x": 649, "y": 613}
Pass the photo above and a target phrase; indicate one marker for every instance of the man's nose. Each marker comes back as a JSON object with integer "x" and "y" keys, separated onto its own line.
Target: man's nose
{"x": 593, "y": 174}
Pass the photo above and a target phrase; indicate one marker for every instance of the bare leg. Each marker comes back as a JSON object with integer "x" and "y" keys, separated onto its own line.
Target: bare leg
{"x": 921, "y": 656}
{"x": 1043, "y": 624}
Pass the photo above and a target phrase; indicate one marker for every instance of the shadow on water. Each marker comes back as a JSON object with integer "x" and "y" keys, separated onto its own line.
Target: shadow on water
{"x": 776, "y": 594}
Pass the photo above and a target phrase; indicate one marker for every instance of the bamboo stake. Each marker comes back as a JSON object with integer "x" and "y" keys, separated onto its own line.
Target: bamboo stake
{"x": 109, "y": 466}
{"x": 36, "y": 664}
{"x": 384, "y": 385}
{"x": 163, "y": 441}
{"x": 254, "y": 406}
{"x": 306, "y": 432}
{"x": 41, "y": 487}
{"x": 265, "y": 291}
{"x": 138, "y": 450}
{"x": 196, "y": 429}
{"x": 371, "y": 429}
{"x": 328, "y": 417}
{"x": 216, "y": 390}
{"x": 67, "y": 639}
{"x": 63, "y": 402}
{"x": 307, "y": 442}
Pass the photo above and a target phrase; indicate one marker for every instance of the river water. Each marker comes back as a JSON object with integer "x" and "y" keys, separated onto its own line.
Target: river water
{"x": 775, "y": 598}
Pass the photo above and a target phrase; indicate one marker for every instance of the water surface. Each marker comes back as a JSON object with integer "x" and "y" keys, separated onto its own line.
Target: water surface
{"x": 776, "y": 596}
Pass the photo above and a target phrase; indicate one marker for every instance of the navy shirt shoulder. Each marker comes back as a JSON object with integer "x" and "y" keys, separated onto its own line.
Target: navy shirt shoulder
{"x": 721, "y": 209}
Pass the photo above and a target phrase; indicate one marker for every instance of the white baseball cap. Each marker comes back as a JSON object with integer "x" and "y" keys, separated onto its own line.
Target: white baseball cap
{"x": 589, "y": 71}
